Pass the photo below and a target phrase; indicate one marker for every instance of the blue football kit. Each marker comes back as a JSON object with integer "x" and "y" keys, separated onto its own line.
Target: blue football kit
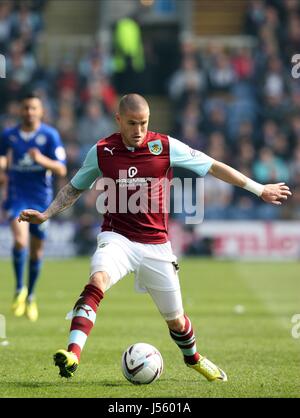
{"x": 30, "y": 184}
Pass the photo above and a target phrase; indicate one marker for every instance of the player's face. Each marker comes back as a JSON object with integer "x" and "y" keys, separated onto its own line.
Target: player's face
{"x": 31, "y": 112}
{"x": 133, "y": 127}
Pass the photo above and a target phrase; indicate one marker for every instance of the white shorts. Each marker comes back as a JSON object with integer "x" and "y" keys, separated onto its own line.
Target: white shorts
{"x": 153, "y": 265}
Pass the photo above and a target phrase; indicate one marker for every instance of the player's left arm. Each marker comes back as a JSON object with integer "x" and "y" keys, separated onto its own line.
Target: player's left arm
{"x": 270, "y": 193}
{"x": 54, "y": 158}
{"x": 55, "y": 166}
{"x": 181, "y": 155}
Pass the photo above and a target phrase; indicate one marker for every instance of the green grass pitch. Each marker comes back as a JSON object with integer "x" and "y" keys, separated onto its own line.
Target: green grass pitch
{"x": 255, "y": 348}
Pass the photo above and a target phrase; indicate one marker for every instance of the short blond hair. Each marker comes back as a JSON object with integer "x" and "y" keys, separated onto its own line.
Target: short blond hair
{"x": 132, "y": 102}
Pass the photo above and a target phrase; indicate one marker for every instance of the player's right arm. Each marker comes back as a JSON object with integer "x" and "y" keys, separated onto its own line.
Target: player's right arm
{"x": 65, "y": 198}
{"x": 68, "y": 195}
{"x": 3, "y": 159}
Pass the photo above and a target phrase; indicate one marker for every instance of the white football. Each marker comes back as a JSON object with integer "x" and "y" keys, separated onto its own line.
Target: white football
{"x": 142, "y": 364}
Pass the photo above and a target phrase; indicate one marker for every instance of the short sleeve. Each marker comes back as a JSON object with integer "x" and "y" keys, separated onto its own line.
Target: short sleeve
{"x": 89, "y": 172}
{"x": 56, "y": 150}
{"x": 181, "y": 155}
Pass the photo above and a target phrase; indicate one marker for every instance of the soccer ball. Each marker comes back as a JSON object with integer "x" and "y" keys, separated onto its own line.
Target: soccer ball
{"x": 142, "y": 364}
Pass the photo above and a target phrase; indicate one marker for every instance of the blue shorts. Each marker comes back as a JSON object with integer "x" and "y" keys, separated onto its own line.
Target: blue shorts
{"x": 13, "y": 208}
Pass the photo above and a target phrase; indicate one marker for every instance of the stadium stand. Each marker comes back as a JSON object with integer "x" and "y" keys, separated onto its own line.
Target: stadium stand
{"x": 231, "y": 96}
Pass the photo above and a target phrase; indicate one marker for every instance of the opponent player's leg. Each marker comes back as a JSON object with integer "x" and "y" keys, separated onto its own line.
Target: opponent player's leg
{"x": 35, "y": 263}
{"x": 20, "y": 233}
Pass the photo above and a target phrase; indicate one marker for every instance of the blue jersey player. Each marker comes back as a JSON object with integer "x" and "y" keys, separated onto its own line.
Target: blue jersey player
{"x": 33, "y": 152}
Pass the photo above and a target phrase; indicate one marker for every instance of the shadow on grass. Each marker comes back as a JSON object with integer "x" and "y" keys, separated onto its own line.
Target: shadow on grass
{"x": 40, "y": 385}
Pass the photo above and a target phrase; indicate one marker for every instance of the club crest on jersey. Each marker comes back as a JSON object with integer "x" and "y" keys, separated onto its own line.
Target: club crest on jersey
{"x": 155, "y": 147}
{"x": 41, "y": 140}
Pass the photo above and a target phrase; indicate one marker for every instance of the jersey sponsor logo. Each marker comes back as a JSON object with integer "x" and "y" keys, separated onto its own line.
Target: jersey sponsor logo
{"x": 155, "y": 147}
{"x": 26, "y": 161}
{"x": 26, "y": 164}
{"x": 150, "y": 195}
{"x": 127, "y": 179}
{"x": 13, "y": 138}
{"x": 132, "y": 171}
{"x": 41, "y": 140}
{"x": 109, "y": 150}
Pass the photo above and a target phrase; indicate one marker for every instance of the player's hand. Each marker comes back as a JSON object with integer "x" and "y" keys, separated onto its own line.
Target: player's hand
{"x": 35, "y": 154}
{"x": 32, "y": 216}
{"x": 275, "y": 193}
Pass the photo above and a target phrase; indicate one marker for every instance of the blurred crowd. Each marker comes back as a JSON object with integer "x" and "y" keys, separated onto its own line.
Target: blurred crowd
{"x": 79, "y": 98}
{"x": 239, "y": 105}
{"x": 242, "y": 106}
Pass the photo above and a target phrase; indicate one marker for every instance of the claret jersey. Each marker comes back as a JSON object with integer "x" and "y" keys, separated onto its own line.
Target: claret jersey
{"x": 137, "y": 181}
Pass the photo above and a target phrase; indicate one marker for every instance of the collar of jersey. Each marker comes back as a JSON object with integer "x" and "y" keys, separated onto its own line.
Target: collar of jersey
{"x": 27, "y": 136}
{"x": 132, "y": 149}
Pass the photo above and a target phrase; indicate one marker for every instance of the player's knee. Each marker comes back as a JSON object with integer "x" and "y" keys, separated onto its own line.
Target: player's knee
{"x": 177, "y": 324}
{"x": 100, "y": 280}
{"x": 20, "y": 244}
{"x": 36, "y": 253}
{"x": 20, "y": 240}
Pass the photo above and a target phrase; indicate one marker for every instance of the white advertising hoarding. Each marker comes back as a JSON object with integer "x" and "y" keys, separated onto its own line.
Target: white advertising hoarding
{"x": 59, "y": 242}
{"x": 236, "y": 240}
{"x": 251, "y": 239}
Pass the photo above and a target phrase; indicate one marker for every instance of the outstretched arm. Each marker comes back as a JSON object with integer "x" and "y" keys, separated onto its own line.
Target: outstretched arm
{"x": 68, "y": 195}
{"x": 65, "y": 198}
{"x": 270, "y": 193}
